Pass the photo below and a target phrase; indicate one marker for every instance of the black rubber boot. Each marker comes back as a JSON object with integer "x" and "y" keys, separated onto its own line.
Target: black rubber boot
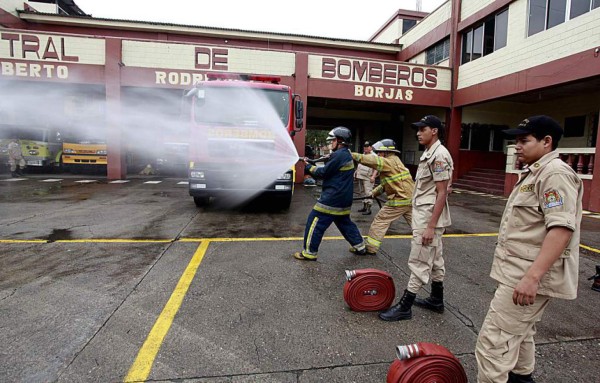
{"x": 367, "y": 210}
{"x": 596, "y": 278}
{"x": 401, "y": 310}
{"x": 14, "y": 174}
{"x": 435, "y": 302}
{"x": 516, "y": 378}
{"x": 364, "y": 208}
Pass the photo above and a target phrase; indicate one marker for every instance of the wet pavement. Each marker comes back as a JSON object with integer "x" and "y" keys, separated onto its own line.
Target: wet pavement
{"x": 106, "y": 282}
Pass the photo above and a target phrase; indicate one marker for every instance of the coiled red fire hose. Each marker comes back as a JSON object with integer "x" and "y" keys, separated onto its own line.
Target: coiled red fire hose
{"x": 369, "y": 290}
{"x": 425, "y": 363}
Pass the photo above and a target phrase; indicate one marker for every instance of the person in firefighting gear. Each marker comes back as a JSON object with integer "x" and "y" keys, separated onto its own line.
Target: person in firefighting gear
{"x": 396, "y": 182}
{"x": 430, "y": 217}
{"x": 15, "y": 158}
{"x": 536, "y": 256}
{"x": 366, "y": 179}
{"x": 335, "y": 202}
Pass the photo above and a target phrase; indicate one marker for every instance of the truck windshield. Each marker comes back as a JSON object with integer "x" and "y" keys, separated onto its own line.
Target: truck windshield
{"x": 242, "y": 106}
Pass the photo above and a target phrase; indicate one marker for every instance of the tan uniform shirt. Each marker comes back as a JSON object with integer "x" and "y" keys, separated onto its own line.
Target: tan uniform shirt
{"x": 364, "y": 172}
{"x": 396, "y": 180}
{"x": 14, "y": 151}
{"x": 435, "y": 165}
{"x": 548, "y": 194}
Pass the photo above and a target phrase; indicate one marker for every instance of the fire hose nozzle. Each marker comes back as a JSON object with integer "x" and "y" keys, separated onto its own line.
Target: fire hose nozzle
{"x": 350, "y": 274}
{"x": 405, "y": 352}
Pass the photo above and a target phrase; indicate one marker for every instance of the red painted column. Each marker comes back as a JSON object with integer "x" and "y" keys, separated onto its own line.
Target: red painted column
{"x": 301, "y": 88}
{"x": 454, "y": 116}
{"x": 117, "y": 168}
{"x": 453, "y": 136}
{"x": 594, "y": 194}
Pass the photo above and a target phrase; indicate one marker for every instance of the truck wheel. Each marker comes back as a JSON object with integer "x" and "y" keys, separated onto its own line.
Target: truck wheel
{"x": 201, "y": 201}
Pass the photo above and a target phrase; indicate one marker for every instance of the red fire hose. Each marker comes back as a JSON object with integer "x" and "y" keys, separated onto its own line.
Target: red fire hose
{"x": 425, "y": 363}
{"x": 369, "y": 290}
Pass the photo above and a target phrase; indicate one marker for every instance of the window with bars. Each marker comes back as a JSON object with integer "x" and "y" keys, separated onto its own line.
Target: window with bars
{"x": 438, "y": 52}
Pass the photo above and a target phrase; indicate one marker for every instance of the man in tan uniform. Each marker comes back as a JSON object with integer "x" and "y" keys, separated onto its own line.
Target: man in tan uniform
{"x": 430, "y": 217}
{"x": 366, "y": 179}
{"x": 397, "y": 184}
{"x": 15, "y": 158}
{"x": 537, "y": 255}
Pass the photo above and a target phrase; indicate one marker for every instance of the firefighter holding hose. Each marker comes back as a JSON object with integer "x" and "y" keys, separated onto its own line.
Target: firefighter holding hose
{"x": 335, "y": 202}
{"x": 396, "y": 183}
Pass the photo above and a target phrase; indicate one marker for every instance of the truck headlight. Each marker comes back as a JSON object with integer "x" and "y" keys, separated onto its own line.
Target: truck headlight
{"x": 285, "y": 176}
{"x": 101, "y": 152}
{"x": 33, "y": 152}
{"x": 199, "y": 175}
{"x": 69, "y": 151}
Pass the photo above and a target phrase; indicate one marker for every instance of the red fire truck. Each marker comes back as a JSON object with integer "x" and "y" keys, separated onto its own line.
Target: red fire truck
{"x": 241, "y": 141}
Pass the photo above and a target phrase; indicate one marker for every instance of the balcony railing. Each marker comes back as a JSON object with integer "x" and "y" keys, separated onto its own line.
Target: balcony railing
{"x": 579, "y": 159}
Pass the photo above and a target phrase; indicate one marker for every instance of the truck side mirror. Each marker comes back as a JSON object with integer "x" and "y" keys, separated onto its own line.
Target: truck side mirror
{"x": 299, "y": 113}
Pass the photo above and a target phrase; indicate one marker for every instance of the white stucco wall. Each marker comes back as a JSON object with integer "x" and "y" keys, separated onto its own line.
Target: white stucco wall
{"x": 469, "y": 7}
{"x": 522, "y": 52}
{"x": 12, "y": 6}
{"x": 439, "y": 16}
{"x": 390, "y": 33}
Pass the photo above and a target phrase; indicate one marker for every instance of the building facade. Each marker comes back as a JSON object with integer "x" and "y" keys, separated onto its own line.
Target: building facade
{"x": 481, "y": 66}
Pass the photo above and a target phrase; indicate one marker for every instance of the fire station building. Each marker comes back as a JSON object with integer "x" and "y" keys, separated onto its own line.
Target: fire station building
{"x": 480, "y": 65}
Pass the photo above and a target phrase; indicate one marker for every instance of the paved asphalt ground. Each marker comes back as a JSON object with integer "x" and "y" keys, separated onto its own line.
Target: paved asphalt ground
{"x": 103, "y": 282}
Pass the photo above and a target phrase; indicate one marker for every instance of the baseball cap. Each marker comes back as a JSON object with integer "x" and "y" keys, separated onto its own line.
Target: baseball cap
{"x": 430, "y": 120}
{"x": 367, "y": 143}
{"x": 542, "y": 125}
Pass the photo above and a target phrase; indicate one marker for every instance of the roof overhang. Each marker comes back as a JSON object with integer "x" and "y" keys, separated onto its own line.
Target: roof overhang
{"x": 144, "y": 26}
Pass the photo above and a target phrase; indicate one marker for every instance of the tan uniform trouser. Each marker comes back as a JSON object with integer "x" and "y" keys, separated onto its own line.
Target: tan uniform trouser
{"x": 382, "y": 222}
{"x": 425, "y": 261}
{"x": 365, "y": 187}
{"x": 13, "y": 163}
{"x": 505, "y": 341}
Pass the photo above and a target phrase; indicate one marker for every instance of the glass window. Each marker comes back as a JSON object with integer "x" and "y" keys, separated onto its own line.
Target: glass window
{"x": 430, "y": 56}
{"x": 537, "y": 16}
{"x": 488, "y": 36}
{"x": 447, "y": 48}
{"x": 407, "y": 24}
{"x": 556, "y": 12}
{"x": 500, "y": 35}
{"x": 579, "y": 7}
{"x": 595, "y": 4}
{"x": 467, "y": 46}
{"x": 477, "y": 43}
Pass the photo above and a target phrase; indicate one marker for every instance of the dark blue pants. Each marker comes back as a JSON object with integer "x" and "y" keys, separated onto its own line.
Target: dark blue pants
{"x": 318, "y": 222}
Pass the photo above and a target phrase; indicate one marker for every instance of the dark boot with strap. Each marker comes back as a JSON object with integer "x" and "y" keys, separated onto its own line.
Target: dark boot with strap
{"x": 516, "y": 378}
{"x": 367, "y": 209}
{"x": 435, "y": 302}
{"x": 364, "y": 208}
{"x": 401, "y": 310}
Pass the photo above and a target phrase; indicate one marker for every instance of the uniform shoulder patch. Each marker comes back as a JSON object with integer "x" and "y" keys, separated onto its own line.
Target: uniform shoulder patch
{"x": 552, "y": 198}
{"x": 439, "y": 166}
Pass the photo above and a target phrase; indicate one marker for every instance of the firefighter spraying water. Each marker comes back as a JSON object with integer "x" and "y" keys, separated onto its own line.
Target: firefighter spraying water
{"x": 241, "y": 139}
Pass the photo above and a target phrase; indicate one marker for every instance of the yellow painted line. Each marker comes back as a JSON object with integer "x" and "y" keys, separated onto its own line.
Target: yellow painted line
{"x": 114, "y": 240}
{"x": 247, "y": 239}
{"x": 589, "y": 248}
{"x": 140, "y": 370}
{"x": 23, "y": 241}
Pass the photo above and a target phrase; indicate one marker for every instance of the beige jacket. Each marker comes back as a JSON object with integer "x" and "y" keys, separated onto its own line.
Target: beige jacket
{"x": 435, "y": 165}
{"x": 548, "y": 194}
